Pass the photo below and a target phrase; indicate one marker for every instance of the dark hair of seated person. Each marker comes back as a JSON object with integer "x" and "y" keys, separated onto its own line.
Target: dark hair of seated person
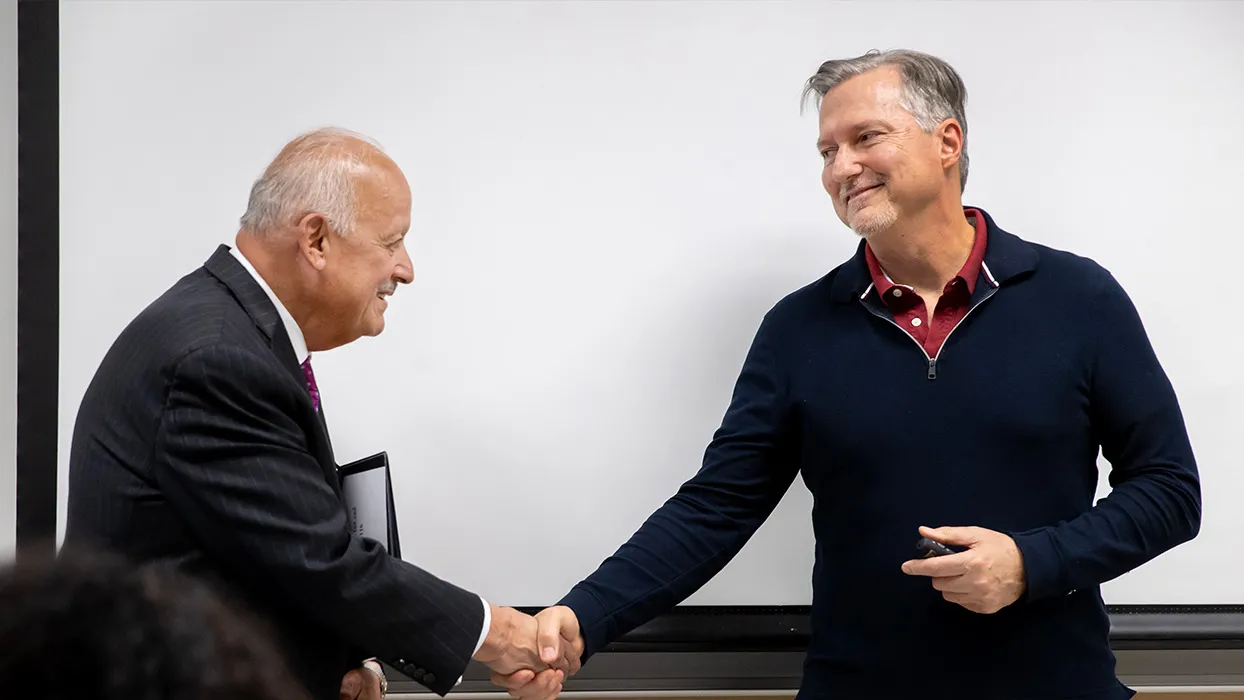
{"x": 96, "y": 627}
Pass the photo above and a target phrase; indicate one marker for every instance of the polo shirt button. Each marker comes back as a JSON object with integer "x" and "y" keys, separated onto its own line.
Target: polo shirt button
{"x": 915, "y": 322}
{"x": 898, "y": 292}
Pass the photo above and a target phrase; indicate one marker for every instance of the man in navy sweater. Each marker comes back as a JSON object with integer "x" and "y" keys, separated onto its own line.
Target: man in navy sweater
{"x": 953, "y": 381}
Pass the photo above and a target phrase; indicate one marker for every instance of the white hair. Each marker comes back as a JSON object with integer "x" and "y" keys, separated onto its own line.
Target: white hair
{"x": 932, "y": 90}
{"x": 316, "y": 172}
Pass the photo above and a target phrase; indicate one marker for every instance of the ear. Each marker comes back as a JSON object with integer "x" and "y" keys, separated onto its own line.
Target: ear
{"x": 313, "y": 239}
{"x": 950, "y": 142}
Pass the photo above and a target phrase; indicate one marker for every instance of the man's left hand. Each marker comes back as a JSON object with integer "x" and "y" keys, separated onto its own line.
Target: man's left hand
{"x": 986, "y": 578}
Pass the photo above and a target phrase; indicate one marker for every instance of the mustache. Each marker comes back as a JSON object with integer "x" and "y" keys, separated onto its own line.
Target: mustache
{"x": 388, "y": 288}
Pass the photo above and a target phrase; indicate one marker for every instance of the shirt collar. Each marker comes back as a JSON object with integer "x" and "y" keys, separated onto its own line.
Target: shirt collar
{"x": 967, "y": 274}
{"x": 296, "y": 338}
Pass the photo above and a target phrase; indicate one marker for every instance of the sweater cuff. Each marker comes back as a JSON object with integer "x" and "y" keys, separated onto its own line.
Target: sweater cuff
{"x": 592, "y": 620}
{"x": 1043, "y": 568}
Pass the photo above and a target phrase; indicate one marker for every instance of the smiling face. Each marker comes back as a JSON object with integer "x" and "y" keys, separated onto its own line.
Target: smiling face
{"x": 880, "y": 167}
{"x": 356, "y": 272}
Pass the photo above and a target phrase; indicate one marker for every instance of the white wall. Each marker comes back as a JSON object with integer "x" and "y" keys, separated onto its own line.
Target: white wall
{"x": 608, "y": 196}
{"x": 8, "y": 275}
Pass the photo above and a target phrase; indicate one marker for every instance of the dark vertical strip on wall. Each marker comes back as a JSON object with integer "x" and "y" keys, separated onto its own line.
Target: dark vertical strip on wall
{"x": 38, "y": 267}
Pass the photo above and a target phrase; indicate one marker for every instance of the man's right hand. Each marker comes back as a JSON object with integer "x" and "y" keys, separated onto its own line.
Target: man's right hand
{"x": 360, "y": 684}
{"x": 561, "y": 648}
{"x": 511, "y": 643}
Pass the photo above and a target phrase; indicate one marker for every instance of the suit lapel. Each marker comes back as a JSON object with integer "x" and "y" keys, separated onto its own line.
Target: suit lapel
{"x": 256, "y": 304}
{"x": 259, "y": 307}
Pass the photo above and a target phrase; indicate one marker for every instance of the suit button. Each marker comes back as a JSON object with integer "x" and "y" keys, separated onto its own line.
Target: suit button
{"x": 429, "y": 679}
{"x": 410, "y": 670}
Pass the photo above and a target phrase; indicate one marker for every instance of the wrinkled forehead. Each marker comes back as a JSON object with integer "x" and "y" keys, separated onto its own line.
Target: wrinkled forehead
{"x": 383, "y": 192}
{"x": 379, "y": 177}
{"x": 875, "y": 95}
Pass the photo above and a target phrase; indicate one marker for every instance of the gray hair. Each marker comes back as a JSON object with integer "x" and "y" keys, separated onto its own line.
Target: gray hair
{"x": 932, "y": 89}
{"x": 316, "y": 172}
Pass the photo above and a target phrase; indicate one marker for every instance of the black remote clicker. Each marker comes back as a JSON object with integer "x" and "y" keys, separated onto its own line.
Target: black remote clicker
{"x": 930, "y": 548}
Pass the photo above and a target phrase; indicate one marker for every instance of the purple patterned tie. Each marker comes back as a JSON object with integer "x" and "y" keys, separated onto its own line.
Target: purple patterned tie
{"x": 315, "y": 391}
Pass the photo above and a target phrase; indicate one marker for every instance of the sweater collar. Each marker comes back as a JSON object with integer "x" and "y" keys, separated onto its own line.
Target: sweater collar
{"x": 1007, "y": 258}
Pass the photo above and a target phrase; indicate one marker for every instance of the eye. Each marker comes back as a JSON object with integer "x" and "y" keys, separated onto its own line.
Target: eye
{"x": 867, "y": 136}
{"x": 828, "y": 153}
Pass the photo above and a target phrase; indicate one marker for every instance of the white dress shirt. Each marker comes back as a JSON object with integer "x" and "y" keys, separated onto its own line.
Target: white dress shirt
{"x": 299, "y": 341}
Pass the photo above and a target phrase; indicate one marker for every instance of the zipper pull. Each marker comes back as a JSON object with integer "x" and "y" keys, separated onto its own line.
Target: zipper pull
{"x": 933, "y": 369}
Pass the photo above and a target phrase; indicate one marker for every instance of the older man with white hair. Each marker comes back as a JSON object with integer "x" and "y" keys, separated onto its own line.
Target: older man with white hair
{"x": 201, "y": 440}
{"x": 950, "y": 385}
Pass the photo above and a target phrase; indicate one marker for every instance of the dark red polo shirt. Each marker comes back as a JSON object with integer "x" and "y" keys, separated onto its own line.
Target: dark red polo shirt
{"x": 909, "y": 310}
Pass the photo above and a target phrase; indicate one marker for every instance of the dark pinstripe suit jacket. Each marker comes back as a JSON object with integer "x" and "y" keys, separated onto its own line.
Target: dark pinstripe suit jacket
{"x": 197, "y": 444}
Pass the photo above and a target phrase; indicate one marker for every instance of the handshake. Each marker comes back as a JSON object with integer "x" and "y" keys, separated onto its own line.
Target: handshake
{"x": 532, "y": 656}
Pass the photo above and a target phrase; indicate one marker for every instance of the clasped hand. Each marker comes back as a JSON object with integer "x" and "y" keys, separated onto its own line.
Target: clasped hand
{"x": 985, "y": 578}
{"x": 529, "y": 656}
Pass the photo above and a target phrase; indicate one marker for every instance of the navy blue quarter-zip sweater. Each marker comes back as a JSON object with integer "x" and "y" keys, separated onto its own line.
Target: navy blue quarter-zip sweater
{"x": 1050, "y": 365}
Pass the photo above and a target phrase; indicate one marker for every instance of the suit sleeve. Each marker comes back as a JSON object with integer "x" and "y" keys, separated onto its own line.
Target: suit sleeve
{"x": 235, "y": 466}
{"x": 1155, "y": 502}
{"x": 747, "y": 468}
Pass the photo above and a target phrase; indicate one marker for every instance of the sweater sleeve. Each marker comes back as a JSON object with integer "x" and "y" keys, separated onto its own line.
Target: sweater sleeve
{"x": 1155, "y": 502}
{"x": 746, "y": 470}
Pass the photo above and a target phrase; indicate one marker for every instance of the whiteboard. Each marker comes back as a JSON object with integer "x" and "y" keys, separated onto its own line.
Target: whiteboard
{"x": 607, "y": 198}
{"x": 8, "y": 280}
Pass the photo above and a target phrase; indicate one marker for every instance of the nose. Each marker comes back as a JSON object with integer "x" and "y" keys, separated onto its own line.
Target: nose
{"x": 404, "y": 272}
{"x": 845, "y": 167}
